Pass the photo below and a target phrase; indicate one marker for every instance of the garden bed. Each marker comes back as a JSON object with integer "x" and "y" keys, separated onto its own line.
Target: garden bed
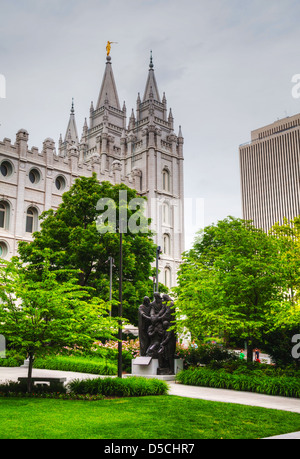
{"x": 77, "y": 364}
{"x": 250, "y": 381}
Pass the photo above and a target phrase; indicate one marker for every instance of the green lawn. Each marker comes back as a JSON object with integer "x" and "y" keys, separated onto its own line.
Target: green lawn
{"x": 161, "y": 417}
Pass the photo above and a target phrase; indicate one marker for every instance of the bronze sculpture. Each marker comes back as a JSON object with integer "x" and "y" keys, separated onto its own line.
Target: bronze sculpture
{"x": 156, "y": 338}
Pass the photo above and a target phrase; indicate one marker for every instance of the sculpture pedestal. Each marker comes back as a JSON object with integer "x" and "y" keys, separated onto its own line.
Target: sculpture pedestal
{"x": 148, "y": 368}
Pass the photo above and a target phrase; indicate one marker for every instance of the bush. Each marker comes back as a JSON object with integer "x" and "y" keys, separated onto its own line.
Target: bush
{"x": 251, "y": 368}
{"x": 256, "y": 381}
{"x": 278, "y": 344}
{"x": 129, "y": 387}
{"x": 130, "y": 350}
{"x": 13, "y": 359}
{"x": 108, "y": 351}
{"x": 204, "y": 354}
{"x": 77, "y": 364}
{"x": 11, "y": 388}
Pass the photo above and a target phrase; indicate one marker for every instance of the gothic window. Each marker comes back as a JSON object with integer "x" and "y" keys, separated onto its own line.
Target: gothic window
{"x": 4, "y": 215}
{"x": 31, "y": 220}
{"x": 166, "y": 247}
{"x": 166, "y": 180}
{"x": 167, "y": 275}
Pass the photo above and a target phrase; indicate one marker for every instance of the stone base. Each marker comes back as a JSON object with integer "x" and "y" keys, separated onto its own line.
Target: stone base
{"x": 160, "y": 377}
{"x": 25, "y": 364}
{"x": 149, "y": 368}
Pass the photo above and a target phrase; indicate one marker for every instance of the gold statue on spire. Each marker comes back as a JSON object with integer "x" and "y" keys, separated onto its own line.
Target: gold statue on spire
{"x": 108, "y": 47}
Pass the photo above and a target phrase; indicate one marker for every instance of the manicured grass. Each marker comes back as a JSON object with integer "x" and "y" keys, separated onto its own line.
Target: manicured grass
{"x": 163, "y": 417}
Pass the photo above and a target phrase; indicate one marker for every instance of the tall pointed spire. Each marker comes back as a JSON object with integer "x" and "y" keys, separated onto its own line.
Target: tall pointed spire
{"x": 151, "y": 90}
{"x": 71, "y": 133}
{"x": 108, "y": 89}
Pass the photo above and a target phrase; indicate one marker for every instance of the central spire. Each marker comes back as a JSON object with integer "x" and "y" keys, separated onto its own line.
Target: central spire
{"x": 151, "y": 90}
{"x": 108, "y": 89}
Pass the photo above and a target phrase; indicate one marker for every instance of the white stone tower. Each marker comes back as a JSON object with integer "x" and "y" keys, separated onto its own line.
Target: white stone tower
{"x": 155, "y": 154}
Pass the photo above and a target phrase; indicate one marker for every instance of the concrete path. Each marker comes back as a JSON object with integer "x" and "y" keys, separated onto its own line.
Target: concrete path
{"x": 203, "y": 393}
{"x": 12, "y": 374}
{"x": 232, "y": 396}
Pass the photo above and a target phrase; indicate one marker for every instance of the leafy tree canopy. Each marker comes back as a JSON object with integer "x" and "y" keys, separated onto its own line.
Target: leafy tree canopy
{"x": 46, "y": 314}
{"x": 231, "y": 282}
{"x": 72, "y": 234}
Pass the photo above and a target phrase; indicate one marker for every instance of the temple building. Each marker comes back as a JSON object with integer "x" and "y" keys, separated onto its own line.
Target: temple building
{"x": 142, "y": 152}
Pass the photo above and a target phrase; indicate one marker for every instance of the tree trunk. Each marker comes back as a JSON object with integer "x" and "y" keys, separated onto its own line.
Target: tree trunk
{"x": 29, "y": 376}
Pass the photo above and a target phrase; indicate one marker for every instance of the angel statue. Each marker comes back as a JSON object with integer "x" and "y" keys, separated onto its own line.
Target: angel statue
{"x": 108, "y": 47}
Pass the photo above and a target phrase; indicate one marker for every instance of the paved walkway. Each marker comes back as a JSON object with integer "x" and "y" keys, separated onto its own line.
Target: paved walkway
{"x": 204, "y": 393}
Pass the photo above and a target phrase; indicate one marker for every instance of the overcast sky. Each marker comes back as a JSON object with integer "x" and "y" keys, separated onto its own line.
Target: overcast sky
{"x": 225, "y": 65}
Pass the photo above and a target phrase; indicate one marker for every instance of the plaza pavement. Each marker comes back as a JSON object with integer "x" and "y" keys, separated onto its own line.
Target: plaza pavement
{"x": 203, "y": 393}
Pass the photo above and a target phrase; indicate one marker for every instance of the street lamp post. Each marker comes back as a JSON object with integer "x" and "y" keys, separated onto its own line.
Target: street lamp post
{"x": 158, "y": 252}
{"x": 111, "y": 261}
{"x": 120, "y": 305}
{"x": 154, "y": 285}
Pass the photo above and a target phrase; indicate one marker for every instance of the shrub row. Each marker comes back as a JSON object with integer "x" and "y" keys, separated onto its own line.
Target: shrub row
{"x": 254, "y": 368}
{"x": 13, "y": 359}
{"x": 77, "y": 364}
{"x": 116, "y": 387}
{"x": 11, "y": 362}
{"x": 276, "y": 385}
{"x": 204, "y": 354}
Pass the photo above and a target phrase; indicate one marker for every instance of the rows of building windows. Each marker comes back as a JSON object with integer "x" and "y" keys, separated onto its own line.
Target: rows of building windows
{"x": 6, "y": 170}
{"x": 282, "y": 127}
{"x": 270, "y": 179}
{"x": 31, "y": 224}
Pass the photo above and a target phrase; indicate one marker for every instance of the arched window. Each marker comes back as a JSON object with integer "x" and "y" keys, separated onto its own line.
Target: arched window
{"x": 166, "y": 180}
{"x": 167, "y": 244}
{"x": 167, "y": 275}
{"x": 31, "y": 220}
{"x": 166, "y": 213}
{"x": 4, "y": 215}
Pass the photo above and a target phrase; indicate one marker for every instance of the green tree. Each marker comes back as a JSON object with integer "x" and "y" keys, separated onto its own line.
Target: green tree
{"x": 37, "y": 315}
{"x": 288, "y": 235}
{"x": 230, "y": 282}
{"x": 72, "y": 234}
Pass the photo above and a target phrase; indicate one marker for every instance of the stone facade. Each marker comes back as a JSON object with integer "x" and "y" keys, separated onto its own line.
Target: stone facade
{"x": 270, "y": 173}
{"x": 145, "y": 154}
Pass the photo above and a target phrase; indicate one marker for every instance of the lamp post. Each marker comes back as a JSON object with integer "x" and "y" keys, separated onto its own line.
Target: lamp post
{"x": 111, "y": 263}
{"x": 158, "y": 252}
{"x": 120, "y": 314}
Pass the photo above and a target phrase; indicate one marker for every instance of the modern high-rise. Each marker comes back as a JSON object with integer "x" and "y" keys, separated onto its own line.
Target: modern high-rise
{"x": 270, "y": 173}
{"x": 144, "y": 153}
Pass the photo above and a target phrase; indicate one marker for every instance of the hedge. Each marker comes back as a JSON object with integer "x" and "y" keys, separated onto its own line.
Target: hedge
{"x": 126, "y": 387}
{"x": 270, "y": 385}
{"x": 77, "y": 364}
